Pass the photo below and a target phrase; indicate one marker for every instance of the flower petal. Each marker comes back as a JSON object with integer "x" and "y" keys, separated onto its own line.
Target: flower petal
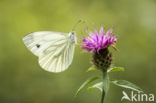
{"x": 96, "y": 42}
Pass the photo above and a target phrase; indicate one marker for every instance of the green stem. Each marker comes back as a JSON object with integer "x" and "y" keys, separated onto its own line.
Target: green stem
{"x": 103, "y": 91}
{"x": 103, "y": 96}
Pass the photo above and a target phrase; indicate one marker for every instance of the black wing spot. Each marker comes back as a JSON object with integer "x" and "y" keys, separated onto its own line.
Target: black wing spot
{"x": 38, "y": 46}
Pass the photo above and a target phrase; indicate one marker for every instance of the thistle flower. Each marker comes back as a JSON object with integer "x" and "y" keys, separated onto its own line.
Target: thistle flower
{"x": 98, "y": 43}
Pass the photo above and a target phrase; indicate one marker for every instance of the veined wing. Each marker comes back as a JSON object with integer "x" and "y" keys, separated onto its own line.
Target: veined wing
{"x": 37, "y": 42}
{"x": 57, "y": 59}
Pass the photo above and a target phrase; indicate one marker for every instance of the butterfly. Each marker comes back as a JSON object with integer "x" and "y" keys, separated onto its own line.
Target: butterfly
{"x": 55, "y": 50}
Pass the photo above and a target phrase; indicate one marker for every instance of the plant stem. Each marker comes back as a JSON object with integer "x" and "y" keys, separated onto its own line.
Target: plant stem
{"x": 103, "y": 95}
{"x": 103, "y": 91}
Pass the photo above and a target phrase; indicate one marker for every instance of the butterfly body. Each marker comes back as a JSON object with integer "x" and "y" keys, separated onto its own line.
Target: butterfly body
{"x": 72, "y": 37}
{"x": 54, "y": 49}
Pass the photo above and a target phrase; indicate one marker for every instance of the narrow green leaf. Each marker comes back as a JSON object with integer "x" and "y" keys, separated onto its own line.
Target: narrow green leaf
{"x": 115, "y": 69}
{"x": 91, "y": 69}
{"x": 86, "y": 83}
{"x": 97, "y": 86}
{"x": 126, "y": 84}
{"x": 101, "y": 85}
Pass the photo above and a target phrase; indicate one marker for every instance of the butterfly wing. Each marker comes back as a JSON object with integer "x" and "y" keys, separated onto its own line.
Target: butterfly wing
{"x": 57, "y": 59}
{"x": 54, "y": 50}
{"x": 37, "y": 42}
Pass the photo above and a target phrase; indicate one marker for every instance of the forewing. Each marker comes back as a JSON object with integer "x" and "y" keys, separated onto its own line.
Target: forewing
{"x": 57, "y": 58}
{"x": 38, "y": 42}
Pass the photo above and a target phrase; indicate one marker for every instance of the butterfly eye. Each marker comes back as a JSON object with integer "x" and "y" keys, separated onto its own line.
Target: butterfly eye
{"x": 73, "y": 33}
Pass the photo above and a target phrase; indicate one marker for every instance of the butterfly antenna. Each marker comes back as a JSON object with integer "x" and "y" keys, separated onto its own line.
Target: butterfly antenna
{"x": 79, "y": 21}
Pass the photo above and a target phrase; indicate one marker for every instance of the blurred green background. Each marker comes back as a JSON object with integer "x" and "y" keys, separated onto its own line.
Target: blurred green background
{"x": 23, "y": 81}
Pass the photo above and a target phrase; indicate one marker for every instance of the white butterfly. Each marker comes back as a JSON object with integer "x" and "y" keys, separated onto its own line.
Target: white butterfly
{"x": 54, "y": 49}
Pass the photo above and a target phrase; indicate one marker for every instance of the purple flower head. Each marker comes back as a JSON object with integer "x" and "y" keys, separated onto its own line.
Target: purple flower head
{"x": 97, "y": 41}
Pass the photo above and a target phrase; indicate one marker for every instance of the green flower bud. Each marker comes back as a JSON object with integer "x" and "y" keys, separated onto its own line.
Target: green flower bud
{"x": 102, "y": 59}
